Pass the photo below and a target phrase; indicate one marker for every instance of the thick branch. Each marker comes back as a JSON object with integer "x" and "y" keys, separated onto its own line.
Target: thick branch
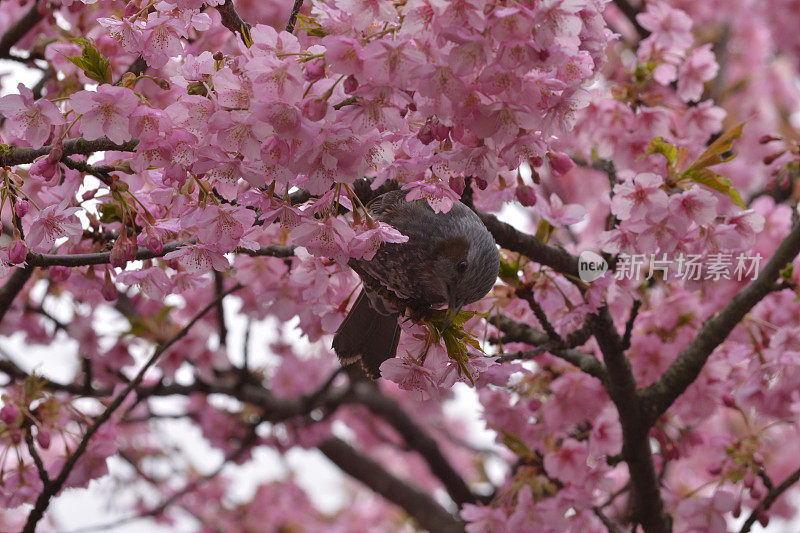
{"x": 512, "y": 239}
{"x": 417, "y": 439}
{"x": 659, "y": 396}
{"x": 22, "y": 156}
{"x": 232, "y": 21}
{"x": 20, "y": 28}
{"x": 630, "y": 13}
{"x": 648, "y": 506}
{"x": 16, "y": 281}
{"x": 102, "y": 258}
{"x": 429, "y": 514}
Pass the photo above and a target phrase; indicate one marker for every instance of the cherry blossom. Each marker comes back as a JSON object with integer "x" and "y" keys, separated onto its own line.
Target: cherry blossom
{"x": 29, "y": 120}
{"x": 105, "y": 111}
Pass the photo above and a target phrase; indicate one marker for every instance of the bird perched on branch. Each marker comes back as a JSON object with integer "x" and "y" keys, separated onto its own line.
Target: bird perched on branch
{"x": 449, "y": 259}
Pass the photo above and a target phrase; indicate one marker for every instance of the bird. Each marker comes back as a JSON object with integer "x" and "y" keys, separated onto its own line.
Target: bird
{"x": 449, "y": 259}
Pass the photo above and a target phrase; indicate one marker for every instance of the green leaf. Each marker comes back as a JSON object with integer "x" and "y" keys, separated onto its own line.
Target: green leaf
{"x": 786, "y": 273}
{"x": 517, "y": 446}
{"x": 660, "y": 146}
{"x": 109, "y": 212}
{"x": 544, "y": 231}
{"x": 92, "y": 62}
{"x": 712, "y": 180}
{"x": 715, "y": 153}
{"x": 509, "y": 272}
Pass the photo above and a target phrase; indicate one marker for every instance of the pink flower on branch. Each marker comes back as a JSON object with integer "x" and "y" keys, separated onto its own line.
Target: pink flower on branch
{"x": 106, "y": 111}
{"x": 52, "y": 223}
{"x": 31, "y": 121}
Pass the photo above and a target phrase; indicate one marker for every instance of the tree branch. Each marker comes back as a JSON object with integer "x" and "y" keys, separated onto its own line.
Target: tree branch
{"x": 102, "y": 258}
{"x": 769, "y": 499}
{"x": 232, "y": 21}
{"x": 12, "y": 287}
{"x": 416, "y": 438}
{"x": 659, "y": 396}
{"x": 21, "y": 156}
{"x": 429, "y": 514}
{"x": 648, "y": 507}
{"x": 53, "y": 487}
{"x": 19, "y": 29}
{"x": 518, "y": 332}
{"x": 512, "y": 239}
{"x": 298, "y": 5}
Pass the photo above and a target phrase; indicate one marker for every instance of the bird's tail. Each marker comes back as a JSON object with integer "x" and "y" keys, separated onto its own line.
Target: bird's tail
{"x": 366, "y": 336}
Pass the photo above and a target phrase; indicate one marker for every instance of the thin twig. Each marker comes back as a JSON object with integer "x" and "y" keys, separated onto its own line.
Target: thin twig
{"x": 769, "y": 499}
{"x": 298, "y": 5}
{"x": 52, "y": 488}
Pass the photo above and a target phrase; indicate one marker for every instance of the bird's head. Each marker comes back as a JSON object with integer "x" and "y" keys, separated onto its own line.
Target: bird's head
{"x": 465, "y": 267}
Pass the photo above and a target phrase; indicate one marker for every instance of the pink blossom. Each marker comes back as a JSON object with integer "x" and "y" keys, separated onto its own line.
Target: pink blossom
{"x": 152, "y": 282}
{"x": 568, "y": 463}
{"x": 366, "y": 243}
{"x": 558, "y": 214}
{"x": 700, "y": 67}
{"x": 106, "y": 111}
{"x": 52, "y": 223}
{"x": 29, "y": 120}
{"x": 411, "y": 376}
{"x": 161, "y": 39}
{"x": 437, "y": 193}
{"x": 640, "y": 198}
{"x": 328, "y": 238}
{"x": 484, "y": 519}
{"x": 670, "y": 27}
{"x": 220, "y": 228}
{"x": 694, "y": 205}
{"x": 199, "y": 259}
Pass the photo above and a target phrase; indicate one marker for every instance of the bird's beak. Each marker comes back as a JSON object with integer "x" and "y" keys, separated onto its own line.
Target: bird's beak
{"x": 452, "y": 312}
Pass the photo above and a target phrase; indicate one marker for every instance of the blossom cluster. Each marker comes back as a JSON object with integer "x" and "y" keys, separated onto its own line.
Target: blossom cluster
{"x": 175, "y": 150}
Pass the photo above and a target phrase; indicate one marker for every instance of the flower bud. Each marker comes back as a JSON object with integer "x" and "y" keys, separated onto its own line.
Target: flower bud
{"x": 21, "y": 208}
{"x": 43, "y": 438}
{"x": 560, "y": 163}
{"x": 17, "y": 252}
{"x": 314, "y": 70}
{"x": 728, "y": 400}
{"x": 131, "y": 9}
{"x": 350, "y": 84}
{"x": 425, "y": 134}
{"x": 109, "y": 290}
{"x": 769, "y": 159}
{"x": 480, "y": 182}
{"x": 525, "y": 195}
{"x": 440, "y": 131}
{"x": 122, "y": 252}
{"x": 314, "y": 109}
{"x": 9, "y": 413}
{"x": 44, "y": 169}
{"x": 155, "y": 244}
{"x": 60, "y": 273}
{"x": 458, "y": 184}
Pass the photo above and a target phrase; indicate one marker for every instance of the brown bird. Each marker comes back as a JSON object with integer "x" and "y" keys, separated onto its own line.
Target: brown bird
{"x": 449, "y": 259}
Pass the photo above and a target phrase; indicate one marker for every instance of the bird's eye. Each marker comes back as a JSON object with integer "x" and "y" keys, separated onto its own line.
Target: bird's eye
{"x": 461, "y": 266}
